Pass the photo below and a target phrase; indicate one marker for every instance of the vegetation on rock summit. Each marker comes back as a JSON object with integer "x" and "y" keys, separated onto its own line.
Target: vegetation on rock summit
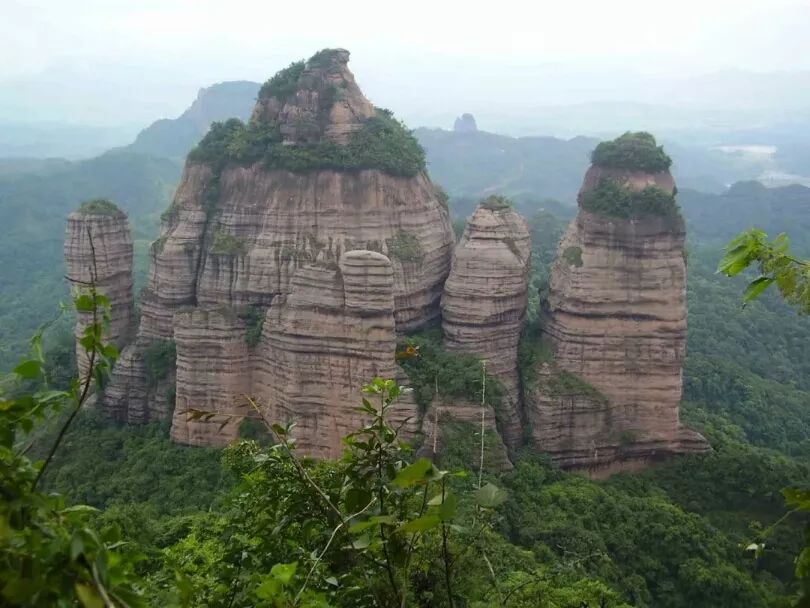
{"x": 634, "y": 151}
{"x": 614, "y": 199}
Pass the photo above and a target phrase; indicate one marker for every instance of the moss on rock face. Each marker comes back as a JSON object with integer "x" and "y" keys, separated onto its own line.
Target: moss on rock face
{"x": 612, "y": 198}
{"x": 160, "y": 358}
{"x": 633, "y": 151}
{"x": 573, "y": 256}
{"x": 100, "y": 206}
{"x": 228, "y": 244}
{"x": 405, "y": 247}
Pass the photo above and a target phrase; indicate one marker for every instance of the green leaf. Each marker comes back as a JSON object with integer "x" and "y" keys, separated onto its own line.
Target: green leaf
{"x": 362, "y": 542}
{"x": 447, "y": 510}
{"x": 284, "y": 572}
{"x": 421, "y": 524}
{"x": 29, "y": 369}
{"x": 371, "y": 522}
{"x": 76, "y": 545}
{"x": 756, "y": 287}
{"x": 84, "y": 303}
{"x": 268, "y": 589}
{"x": 88, "y": 596}
{"x": 356, "y": 499}
{"x": 797, "y": 499}
{"x": 413, "y": 474}
{"x": 490, "y": 496}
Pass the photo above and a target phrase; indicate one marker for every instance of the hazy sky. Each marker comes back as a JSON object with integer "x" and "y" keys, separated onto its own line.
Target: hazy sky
{"x": 130, "y": 61}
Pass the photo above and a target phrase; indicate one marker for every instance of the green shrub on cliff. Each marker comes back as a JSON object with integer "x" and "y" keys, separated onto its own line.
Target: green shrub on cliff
{"x": 613, "y": 199}
{"x": 632, "y": 151}
{"x": 284, "y": 84}
{"x": 431, "y": 368}
{"x": 496, "y": 203}
{"x": 406, "y": 247}
{"x": 383, "y": 143}
{"x": 228, "y": 244}
{"x": 160, "y": 358}
{"x": 100, "y": 206}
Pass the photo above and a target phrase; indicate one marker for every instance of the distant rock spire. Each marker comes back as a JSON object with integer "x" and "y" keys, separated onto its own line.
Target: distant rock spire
{"x": 465, "y": 124}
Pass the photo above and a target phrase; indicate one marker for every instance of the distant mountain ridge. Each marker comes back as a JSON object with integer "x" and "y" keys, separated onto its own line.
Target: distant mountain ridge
{"x": 174, "y": 137}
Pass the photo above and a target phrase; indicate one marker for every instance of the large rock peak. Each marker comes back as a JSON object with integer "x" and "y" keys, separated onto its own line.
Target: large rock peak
{"x": 608, "y": 398}
{"x": 314, "y": 100}
{"x": 484, "y": 300}
{"x": 98, "y": 249}
{"x": 263, "y": 210}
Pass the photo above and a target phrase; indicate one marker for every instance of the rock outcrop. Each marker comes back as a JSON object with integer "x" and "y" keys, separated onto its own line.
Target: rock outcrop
{"x": 98, "y": 249}
{"x": 334, "y": 332}
{"x": 484, "y": 301}
{"x": 465, "y": 124}
{"x": 213, "y": 375}
{"x": 326, "y": 104}
{"x": 261, "y": 211}
{"x": 608, "y": 397}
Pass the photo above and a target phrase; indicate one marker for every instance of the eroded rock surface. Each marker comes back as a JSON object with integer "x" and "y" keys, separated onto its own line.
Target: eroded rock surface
{"x": 616, "y": 326}
{"x": 334, "y": 332}
{"x": 327, "y": 104}
{"x": 484, "y": 301}
{"x": 98, "y": 249}
{"x": 245, "y": 236}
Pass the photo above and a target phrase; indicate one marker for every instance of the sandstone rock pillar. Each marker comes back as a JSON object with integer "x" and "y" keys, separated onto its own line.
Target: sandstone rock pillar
{"x": 98, "y": 249}
{"x": 484, "y": 300}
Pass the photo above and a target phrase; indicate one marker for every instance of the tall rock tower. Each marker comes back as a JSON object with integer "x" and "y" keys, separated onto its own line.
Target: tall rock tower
{"x": 98, "y": 249}
{"x": 484, "y": 301}
{"x": 607, "y": 396}
{"x": 262, "y": 211}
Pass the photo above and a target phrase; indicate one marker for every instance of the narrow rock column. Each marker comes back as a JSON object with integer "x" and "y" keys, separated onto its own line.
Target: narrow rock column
{"x": 484, "y": 300}
{"x": 609, "y": 397}
{"x": 100, "y": 228}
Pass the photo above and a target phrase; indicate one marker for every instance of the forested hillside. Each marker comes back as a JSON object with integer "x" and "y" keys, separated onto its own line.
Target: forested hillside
{"x": 36, "y": 196}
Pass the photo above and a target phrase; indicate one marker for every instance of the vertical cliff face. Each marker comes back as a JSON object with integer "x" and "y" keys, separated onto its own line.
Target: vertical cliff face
{"x": 213, "y": 374}
{"x": 608, "y": 396}
{"x": 333, "y": 333}
{"x": 98, "y": 248}
{"x": 317, "y": 173}
{"x": 484, "y": 301}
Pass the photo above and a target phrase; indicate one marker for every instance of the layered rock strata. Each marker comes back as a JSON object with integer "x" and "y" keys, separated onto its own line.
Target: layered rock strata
{"x": 239, "y": 232}
{"x": 98, "y": 250}
{"x": 484, "y": 300}
{"x": 616, "y": 325}
{"x": 213, "y": 374}
{"x": 334, "y": 332}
